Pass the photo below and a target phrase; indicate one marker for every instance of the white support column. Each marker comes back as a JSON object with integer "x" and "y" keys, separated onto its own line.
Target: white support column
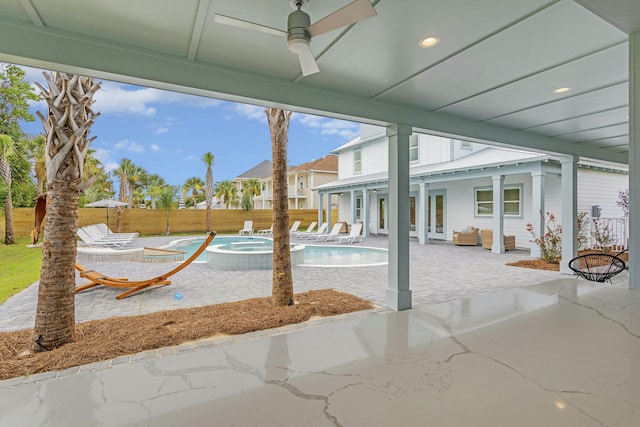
{"x": 295, "y": 189}
{"x": 329, "y": 197}
{"x": 365, "y": 212}
{"x": 398, "y": 295}
{"x": 498, "y": 215}
{"x": 320, "y": 197}
{"x": 537, "y": 208}
{"x": 569, "y": 211}
{"x": 423, "y": 212}
{"x": 634, "y": 160}
{"x": 353, "y": 207}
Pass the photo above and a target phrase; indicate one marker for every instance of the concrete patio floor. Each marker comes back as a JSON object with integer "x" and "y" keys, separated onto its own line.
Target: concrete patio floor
{"x": 484, "y": 345}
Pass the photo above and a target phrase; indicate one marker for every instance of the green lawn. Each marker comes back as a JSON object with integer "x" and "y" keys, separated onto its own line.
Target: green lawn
{"x": 19, "y": 267}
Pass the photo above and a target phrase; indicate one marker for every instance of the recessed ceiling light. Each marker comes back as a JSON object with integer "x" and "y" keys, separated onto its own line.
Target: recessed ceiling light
{"x": 429, "y": 41}
{"x": 562, "y": 90}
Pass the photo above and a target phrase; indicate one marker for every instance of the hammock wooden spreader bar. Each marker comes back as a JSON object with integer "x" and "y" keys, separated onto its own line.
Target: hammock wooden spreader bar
{"x": 97, "y": 278}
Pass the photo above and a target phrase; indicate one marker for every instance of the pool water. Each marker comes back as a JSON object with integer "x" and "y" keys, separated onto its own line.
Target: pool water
{"x": 314, "y": 255}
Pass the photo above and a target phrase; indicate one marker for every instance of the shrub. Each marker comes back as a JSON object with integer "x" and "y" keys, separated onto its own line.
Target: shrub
{"x": 550, "y": 243}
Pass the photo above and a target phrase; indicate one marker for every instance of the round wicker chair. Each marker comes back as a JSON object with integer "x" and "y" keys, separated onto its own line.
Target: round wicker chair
{"x": 597, "y": 267}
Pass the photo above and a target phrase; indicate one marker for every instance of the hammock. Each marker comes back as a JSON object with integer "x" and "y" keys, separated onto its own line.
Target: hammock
{"x": 95, "y": 278}
{"x": 152, "y": 255}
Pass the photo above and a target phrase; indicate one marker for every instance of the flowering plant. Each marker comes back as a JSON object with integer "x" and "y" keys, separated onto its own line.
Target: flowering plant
{"x": 550, "y": 243}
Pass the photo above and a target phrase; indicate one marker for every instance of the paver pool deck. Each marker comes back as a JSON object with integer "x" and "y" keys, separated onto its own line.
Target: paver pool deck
{"x": 440, "y": 271}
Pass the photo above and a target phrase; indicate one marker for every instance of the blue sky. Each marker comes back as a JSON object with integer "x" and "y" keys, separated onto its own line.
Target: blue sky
{"x": 167, "y": 133}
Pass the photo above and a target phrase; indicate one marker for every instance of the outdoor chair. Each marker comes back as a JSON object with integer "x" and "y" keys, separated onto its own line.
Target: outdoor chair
{"x": 335, "y": 231}
{"x": 487, "y": 240}
{"x": 88, "y": 238}
{"x": 466, "y": 238}
{"x": 247, "y": 229}
{"x": 597, "y": 267}
{"x": 308, "y": 231}
{"x": 106, "y": 231}
{"x": 354, "y": 234}
{"x": 309, "y": 235}
{"x": 294, "y": 227}
{"x": 95, "y": 278}
{"x": 266, "y": 232}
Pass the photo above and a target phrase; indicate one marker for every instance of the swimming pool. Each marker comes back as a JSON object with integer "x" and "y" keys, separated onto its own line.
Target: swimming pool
{"x": 313, "y": 255}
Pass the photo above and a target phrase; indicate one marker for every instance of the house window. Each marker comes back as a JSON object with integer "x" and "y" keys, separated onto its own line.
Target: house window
{"x": 357, "y": 161}
{"x": 512, "y": 201}
{"x": 466, "y": 145}
{"x": 358, "y": 208}
{"x": 414, "y": 154}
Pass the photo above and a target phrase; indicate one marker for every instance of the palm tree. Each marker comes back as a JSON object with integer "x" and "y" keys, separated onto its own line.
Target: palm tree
{"x": 282, "y": 279}
{"x": 226, "y": 192}
{"x": 136, "y": 177}
{"x": 167, "y": 200}
{"x": 8, "y": 151}
{"x": 35, "y": 147}
{"x": 69, "y": 98}
{"x": 154, "y": 184}
{"x": 123, "y": 172}
{"x": 208, "y": 160}
{"x": 195, "y": 185}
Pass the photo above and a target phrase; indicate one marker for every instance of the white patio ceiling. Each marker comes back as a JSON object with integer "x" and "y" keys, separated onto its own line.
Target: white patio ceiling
{"x": 491, "y": 77}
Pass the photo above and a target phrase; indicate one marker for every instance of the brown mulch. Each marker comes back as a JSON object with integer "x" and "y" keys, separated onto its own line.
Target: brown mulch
{"x": 98, "y": 340}
{"x": 539, "y": 264}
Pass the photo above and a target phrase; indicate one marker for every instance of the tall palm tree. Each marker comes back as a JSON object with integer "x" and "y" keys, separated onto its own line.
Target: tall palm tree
{"x": 8, "y": 151}
{"x": 136, "y": 177}
{"x": 69, "y": 98}
{"x": 226, "y": 191}
{"x": 123, "y": 171}
{"x": 195, "y": 186}
{"x": 282, "y": 279}
{"x": 208, "y": 160}
{"x": 35, "y": 147}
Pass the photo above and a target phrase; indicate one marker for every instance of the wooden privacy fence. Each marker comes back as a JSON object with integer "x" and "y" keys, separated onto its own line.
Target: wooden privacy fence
{"x": 153, "y": 221}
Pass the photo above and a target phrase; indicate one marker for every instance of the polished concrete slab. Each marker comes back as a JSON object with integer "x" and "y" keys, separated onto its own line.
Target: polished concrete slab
{"x": 562, "y": 353}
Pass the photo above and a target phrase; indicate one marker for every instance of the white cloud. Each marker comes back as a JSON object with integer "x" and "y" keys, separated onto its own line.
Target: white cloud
{"x": 189, "y": 157}
{"x": 252, "y": 112}
{"x": 130, "y": 146}
{"x": 344, "y": 129}
{"x": 156, "y": 148}
{"x": 161, "y": 130}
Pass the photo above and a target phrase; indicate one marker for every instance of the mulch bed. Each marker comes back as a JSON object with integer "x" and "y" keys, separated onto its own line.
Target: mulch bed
{"x": 98, "y": 340}
{"x": 539, "y": 264}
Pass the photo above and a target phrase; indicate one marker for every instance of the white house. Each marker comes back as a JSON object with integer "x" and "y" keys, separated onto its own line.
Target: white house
{"x": 452, "y": 187}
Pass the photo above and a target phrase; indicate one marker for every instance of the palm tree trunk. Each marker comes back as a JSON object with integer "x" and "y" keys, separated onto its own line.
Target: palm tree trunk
{"x": 282, "y": 280}
{"x": 55, "y": 314}
{"x": 9, "y": 238}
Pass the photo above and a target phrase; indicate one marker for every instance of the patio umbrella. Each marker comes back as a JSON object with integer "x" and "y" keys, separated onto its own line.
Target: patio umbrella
{"x": 106, "y": 203}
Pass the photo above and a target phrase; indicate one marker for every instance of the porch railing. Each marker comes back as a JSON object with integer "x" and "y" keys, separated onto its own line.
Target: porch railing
{"x": 607, "y": 233}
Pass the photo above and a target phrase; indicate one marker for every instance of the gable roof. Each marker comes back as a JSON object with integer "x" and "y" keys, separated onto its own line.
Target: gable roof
{"x": 261, "y": 170}
{"x": 327, "y": 163}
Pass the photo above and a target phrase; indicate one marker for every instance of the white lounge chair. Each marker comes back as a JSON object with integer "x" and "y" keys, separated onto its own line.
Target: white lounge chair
{"x": 90, "y": 240}
{"x": 266, "y": 232}
{"x": 294, "y": 227}
{"x": 247, "y": 229}
{"x": 321, "y": 231}
{"x": 106, "y": 231}
{"x": 309, "y": 230}
{"x": 354, "y": 235}
{"x": 335, "y": 231}
{"x": 96, "y": 234}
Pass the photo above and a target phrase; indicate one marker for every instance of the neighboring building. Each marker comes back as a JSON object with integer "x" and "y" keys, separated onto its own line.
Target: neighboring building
{"x": 301, "y": 181}
{"x": 452, "y": 184}
{"x": 259, "y": 172}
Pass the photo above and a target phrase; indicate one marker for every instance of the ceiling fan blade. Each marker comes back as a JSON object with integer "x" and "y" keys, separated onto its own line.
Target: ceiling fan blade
{"x": 308, "y": 63}
{"x": 350, "y": 14}
{"x": 235, "y": 22}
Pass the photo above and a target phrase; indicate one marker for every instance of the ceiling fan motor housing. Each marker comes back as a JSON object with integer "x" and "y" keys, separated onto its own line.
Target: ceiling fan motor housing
{"x": 297, "y": 28}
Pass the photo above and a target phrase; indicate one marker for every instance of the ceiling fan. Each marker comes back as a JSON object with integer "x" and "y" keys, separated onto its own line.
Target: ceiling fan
{"x": 300, "y": 30}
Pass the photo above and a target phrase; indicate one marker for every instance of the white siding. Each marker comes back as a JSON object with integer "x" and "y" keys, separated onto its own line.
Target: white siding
{"x": 600, "y": 188}
{"x": 434, "y": 149}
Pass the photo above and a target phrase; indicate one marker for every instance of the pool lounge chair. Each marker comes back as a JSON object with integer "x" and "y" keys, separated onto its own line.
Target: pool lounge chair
{"x": 91, "y": 239}
{"x": 294, "y": 227}
{"x": 308, "y": 231}
{"x": 105, "y": 231}
{"x": 95, "y": 278}
{"x": 321, "y": 231}
{"x": 354, "y": 235}
{"x": 247, "y": 229}
{"x": 335, "y": 232}
{"x": 266, "y": 232}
